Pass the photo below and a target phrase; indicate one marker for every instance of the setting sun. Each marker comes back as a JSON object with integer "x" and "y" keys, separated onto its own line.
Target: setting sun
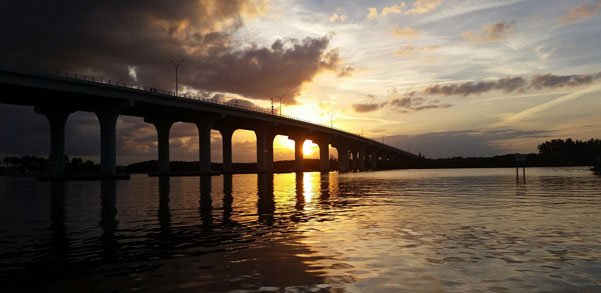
{"x": 309, "y": 148}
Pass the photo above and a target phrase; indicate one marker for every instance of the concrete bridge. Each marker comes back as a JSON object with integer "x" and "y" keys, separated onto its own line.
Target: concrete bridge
{"x": 58, "y": 94}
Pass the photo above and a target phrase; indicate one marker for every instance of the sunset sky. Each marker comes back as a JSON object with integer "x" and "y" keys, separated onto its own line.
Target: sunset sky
{"x": 440, "y": 77}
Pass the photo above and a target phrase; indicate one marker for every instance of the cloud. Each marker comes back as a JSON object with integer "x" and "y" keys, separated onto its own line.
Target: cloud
{"x": 406, "y": 32}
{"x": 401, "y": 105}
{"x": 491, "y": 33}
{"x": 424, "y": 6}
{"x": 372, "y": 12}
{"x": 511, "y": 84}
{"x": 393, "y": 9}
{"x": 131, "y": 70}
{"x": 410, "y": 50}
{"x": 365, "y": 108}
{"x": 508, "y": 84}
{"x": 419, "y": 7}
{"x": 556, "y": 81}
{"x": 346, "y": 71}
{"x": 106, "y": 38}
{"x": 338, "y": 17}
{"x": 411, "y": 104}
{"x": 580, "y": 13}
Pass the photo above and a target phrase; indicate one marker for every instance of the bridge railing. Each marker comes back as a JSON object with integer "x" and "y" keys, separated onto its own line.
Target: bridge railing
{"x": 166, "y": 93}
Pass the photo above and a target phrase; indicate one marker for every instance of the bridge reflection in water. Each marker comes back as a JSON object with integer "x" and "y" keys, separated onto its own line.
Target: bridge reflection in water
{"x": 229, "y": 234}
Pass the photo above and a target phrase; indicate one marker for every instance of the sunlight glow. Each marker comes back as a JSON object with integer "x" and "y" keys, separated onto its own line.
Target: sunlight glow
{"x": 308, "y": 148}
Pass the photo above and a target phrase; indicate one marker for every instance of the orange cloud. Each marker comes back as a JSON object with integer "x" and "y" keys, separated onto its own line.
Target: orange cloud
{"x": 338, "y": 17}
{"x": 419, "y": 7}
{"x": 424, "y": 6}
{"x": 580, "y": 13}
{"x": 491, "y": 33}
{"x": 406, "y": 32}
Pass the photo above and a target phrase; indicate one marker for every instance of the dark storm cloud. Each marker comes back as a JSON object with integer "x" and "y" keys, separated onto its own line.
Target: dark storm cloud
{"x": 109, "y": 38}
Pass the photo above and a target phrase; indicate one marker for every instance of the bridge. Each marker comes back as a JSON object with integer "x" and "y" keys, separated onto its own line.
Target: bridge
{"x": 58, "y": 94}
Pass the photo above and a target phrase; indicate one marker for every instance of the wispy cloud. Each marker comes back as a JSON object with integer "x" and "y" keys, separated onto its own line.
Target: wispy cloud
{"x": 580, "y": 13}
{"x": 401, "y": 105}
{"x": 491, "y": 32}
{"x": 406, "y": 32}
{"x": 419, "y": 7}
{"x": 511, "y": 84}
{"x": 410, "y": 50}
{"x": 545, "y": 106}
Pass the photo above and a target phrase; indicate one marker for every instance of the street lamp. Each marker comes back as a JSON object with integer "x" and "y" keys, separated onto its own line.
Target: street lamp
{"x": 176, "y": 67}
{"x": 331, "y": 120}
{"x": 271, "y": 105}
{"x": 280, "y": 98}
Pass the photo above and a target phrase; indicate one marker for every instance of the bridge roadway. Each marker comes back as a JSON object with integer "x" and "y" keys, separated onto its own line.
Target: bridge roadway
{"x": 58, "y": 94}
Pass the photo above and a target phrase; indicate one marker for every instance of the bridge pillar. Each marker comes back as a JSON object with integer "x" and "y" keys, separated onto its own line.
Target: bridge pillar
{"x": 362, "y": 158}
{"x": 108, "y": 139}
{"x": 265, "y": 138}
{"x": 204, "y": 126}
{"x": 269, "y": 153}
{"x": 226, "y": 138}
{"x": 299, "y": 141}
{"x": 343, "y": 157}
{"x": 163, "y": 127}
{"x": 354, "y": 160}
{"x": 324, "y": 155}
{"x": 57, "y": 118}
{"x": 374, "y": 160}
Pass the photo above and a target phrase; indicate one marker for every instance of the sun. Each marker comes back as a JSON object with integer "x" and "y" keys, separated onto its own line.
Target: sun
{"x": 308, "y": 148}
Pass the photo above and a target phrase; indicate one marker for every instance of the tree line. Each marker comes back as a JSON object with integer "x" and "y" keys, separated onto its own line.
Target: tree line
{"x": 555, "y": 152}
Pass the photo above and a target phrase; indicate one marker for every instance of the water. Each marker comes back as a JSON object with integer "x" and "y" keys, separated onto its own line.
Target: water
{"x": 468, "y": 230}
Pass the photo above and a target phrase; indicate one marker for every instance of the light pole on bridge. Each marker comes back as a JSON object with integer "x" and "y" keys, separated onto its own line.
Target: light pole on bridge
{"x": 280, "y": 98}
{"x": 176, "y": 67}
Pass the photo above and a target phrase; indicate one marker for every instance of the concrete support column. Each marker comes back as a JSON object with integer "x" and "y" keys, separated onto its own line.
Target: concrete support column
{"x": 204, "y": 144}
{"x": 57, "y": 118}
{"x": 226, "y": 139}
{"x": 163, "y": 127}
{"x": 324, "y": 156}
{"x": 374, "y": 161}
{"x": 108, "y": 139}
{"x": 298, "y": 153}
{"x": 362, "y": 158}
{"x": 265, "y": 138}
{"x": 343, "y": 157}
{"x": 355, "y": 160}
{"x": 269, "y": 153}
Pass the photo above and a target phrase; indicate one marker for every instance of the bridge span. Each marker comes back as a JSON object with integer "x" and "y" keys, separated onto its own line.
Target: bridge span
{"x": 58, "y": 94}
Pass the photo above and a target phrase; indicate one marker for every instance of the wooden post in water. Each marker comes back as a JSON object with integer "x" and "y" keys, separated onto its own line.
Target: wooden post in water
{"x": 520, "y": 158}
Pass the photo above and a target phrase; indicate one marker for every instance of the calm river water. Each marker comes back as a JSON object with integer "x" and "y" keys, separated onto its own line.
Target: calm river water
{"x": 464, "y": 230}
